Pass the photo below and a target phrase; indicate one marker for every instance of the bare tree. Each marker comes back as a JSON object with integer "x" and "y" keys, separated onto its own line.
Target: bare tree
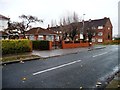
{"x": 60, "y": 22}
{"x": 75, "y": 17}
{"x": 90, "y": 30}
{"x": 14, "y": 28}
{"x": 27, "y": 20}
{"x": 70, "y": 26}
{"x": 21, "y": 27}
{"x": 53, "y": 23}
{"x": 73, "y": 25}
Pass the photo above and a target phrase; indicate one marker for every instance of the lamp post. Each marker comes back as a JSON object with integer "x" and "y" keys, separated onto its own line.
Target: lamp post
{"x": 83, "y": 22}
{"x": 82, "y": 32}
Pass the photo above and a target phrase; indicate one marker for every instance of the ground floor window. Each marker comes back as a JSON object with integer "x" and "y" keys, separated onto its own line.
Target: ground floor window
{"x": 40, "y": 37}
{"x": 57, "y": 38}
{"x": 100, "y": 40}
{"x": 31, "y": 37}
{"x": 50, "y": 38}
{"x": 93, "y": 39}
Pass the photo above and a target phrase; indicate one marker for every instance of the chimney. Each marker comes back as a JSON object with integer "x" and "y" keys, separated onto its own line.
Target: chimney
{"x": 89, "y": 20}
{"x": 48, "y": 27}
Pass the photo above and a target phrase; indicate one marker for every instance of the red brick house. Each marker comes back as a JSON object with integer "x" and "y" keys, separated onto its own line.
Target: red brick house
{"x": 102, "y": 29}
{"x": 39, "y": 33}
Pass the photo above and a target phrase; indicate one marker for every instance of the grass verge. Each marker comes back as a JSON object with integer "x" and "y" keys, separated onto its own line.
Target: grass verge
{"x": 115, "y": 83}
{"x": 18, "y": 57}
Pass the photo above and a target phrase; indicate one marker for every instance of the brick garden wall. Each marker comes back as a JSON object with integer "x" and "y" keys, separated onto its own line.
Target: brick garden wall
{"x": 74, "y": 45}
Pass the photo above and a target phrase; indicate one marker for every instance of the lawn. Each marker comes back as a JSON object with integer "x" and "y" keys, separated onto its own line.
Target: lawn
{"x": 18, "y": 58}
{"x": 115, "y": 83}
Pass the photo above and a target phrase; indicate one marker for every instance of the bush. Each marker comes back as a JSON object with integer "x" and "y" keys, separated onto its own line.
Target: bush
{"x": 40, "y": 45}
{"x": 113, "y": 42}
{"x": 16, "y": 46}
{"x": 116, "y": 42}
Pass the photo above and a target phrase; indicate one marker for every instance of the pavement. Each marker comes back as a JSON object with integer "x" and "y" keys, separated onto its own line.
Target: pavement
{"x": 52, "y": 53}
{"x": 59, "y": 52}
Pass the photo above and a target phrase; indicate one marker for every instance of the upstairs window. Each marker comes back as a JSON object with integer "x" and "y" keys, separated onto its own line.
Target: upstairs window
{"x": 100, "y": 27}
{"x": 93, "y": 28}
{"x": 94, "y": 34}
{"x": 93, "y": 39}
{"x": 108, "y": 28}
{"x": 60, "y": 32}
{"x": 100, "y": 33}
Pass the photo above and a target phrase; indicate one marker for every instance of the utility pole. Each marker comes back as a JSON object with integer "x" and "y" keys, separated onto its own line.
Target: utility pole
{"x": 82, "y": 32}
{"x": 83, "y": 23}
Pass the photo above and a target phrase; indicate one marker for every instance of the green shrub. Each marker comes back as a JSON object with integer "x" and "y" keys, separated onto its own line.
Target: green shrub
{"x": 16, "y": 46}
{"x": 113, "y": 42}
{"x": 40, "y": 45}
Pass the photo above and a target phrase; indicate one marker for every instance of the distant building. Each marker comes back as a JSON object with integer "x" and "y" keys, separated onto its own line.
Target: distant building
{"x": 3, "y": 25}
{"x": 3, "y": 22}
{"x": 102, "y": 29}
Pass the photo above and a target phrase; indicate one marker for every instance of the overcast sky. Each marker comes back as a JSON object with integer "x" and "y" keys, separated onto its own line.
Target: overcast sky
{"x": 55, "y": 9}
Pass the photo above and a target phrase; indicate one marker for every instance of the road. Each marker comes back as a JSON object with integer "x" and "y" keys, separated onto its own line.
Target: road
{"x": 82, "y": 69}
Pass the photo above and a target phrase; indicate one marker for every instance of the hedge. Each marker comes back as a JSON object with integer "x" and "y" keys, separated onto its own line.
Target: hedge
{"x": 16, "y": 46}
{"x": 113, "y": 42}
{"x": 40, "y": 45}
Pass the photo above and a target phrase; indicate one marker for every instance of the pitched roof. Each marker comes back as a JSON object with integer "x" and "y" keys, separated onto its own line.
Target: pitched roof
{"x": 87, "y": 24}
{"x": 40, "y": 31}
{"x": 4, "y": 17}
{"x": 96, "y": 22}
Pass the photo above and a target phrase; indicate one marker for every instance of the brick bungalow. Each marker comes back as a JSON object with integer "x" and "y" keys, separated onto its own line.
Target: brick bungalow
{"x": 39, "y": 33}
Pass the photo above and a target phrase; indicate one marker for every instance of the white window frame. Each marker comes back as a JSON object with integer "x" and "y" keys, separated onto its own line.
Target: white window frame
{"x": 40, "y": 37}
{"x": 108, "y": 28}
{"x": 93, "y": 40}
{"x": 94, "y": 34}
{"x": 50, "y": 38}
{"x": 32, "y": 37}
{"x": 100, "y": 40}
{"x": 100, "y": 27}
{"x": 100, "y": 33}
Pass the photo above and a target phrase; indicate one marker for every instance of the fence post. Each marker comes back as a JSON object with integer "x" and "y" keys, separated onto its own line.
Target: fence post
{"x": 50, "y": 45}
{"x": 31, "y": 46}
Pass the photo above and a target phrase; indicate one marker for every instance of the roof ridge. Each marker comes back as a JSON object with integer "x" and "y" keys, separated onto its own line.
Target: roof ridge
{"x": 2, "y": 16}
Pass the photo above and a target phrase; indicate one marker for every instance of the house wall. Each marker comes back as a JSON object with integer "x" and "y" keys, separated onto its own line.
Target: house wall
{"x": 42, "y": 37}
{"x": 3, "y": 24}
{"x": 98, "y": 37}
{"x": 107, "y": 29}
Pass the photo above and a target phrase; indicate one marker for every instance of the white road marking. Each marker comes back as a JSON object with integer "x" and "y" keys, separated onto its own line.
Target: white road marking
{"x": 100, "y": 54}
{"x": 60, "y": 66}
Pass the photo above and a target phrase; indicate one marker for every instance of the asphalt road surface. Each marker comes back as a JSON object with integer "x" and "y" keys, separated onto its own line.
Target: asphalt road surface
{"x": 79, "y": 70}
